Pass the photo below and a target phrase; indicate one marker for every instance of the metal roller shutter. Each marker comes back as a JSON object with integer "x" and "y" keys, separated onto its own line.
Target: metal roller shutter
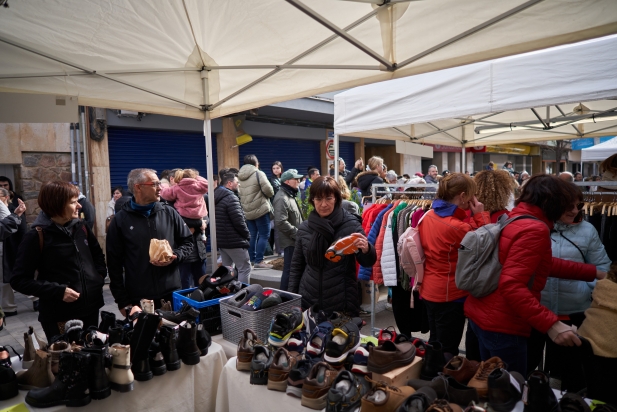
{"x": 154, "y": 149}
{"x": 293, "y": 154}
{"x": 346, "y": 150}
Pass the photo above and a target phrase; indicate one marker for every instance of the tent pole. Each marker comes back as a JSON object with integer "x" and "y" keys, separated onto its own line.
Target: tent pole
{"x": 86, "y": 163}
{"x": 72, "y": 152}
{"x": 209, "y": 169}
{"x": 78, "y": 157}
{"x": 335, "y": 157}
{"x": 463, "y": 153}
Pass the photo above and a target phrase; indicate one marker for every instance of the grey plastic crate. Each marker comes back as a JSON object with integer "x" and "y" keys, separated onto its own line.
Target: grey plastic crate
{"x": 236, "y": 320}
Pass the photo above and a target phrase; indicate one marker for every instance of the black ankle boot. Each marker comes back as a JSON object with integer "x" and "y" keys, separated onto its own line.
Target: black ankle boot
{"x": 434, "y": 361}
{"x": 187, "y": 343}
{"x": 203, "y": 339}
{"x": 108, "y": 320}
{"x": 540, "y": 396}
{"x": 155, "y": 358}
{"x": 141, "y": 339}
{"x": 70, "y": 387}
{"x": 168, "y": 339}
{"x": 116, "y": 335}
{"x": 97, "y": 378}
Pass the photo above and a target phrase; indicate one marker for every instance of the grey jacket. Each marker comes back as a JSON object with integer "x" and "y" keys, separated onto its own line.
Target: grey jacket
{"x": 287, "y": 217}
{"x": 564, "y": 296}
{"x": 252, "y": 198}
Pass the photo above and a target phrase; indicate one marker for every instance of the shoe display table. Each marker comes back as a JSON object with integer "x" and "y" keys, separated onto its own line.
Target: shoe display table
{"x": 190, "y": 388}
{"x": 235, "y": 393}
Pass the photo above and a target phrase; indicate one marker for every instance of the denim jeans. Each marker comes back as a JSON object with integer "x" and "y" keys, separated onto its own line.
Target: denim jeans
{"x": 288, "y": 251}
{"x": 512, "y": 349}
{"x": 260, "y": 232}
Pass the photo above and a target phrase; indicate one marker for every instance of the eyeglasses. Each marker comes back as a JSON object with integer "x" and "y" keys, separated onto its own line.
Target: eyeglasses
{"x": 328, "y": 199}
{"x": 153, "y": 184}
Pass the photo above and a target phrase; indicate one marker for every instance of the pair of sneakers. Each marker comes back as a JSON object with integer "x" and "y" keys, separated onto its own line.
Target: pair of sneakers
{"x": 255, "y": 297}
{"x": 220, "y": 283}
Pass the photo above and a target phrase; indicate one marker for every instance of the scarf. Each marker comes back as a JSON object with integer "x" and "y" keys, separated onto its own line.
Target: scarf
{"x": 292, "y": 192}
{"x": 443, "y": 208}
{"x": 143, "y": 209}
{"x": 323, "y": 229}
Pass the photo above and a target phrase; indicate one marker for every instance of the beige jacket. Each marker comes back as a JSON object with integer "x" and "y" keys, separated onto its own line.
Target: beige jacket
{"x": 252, "y": 198}
{"x": 600, "y": 325}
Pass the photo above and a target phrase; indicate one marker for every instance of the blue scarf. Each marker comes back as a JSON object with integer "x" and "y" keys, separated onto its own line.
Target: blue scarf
{"x": 443, "y": 208}
{"x": 143, "y": 209}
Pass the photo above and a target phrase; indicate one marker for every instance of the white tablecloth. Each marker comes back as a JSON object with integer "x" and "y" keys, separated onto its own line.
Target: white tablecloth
{"x": 190, "y": 388}
{"x": 235, "y": 393}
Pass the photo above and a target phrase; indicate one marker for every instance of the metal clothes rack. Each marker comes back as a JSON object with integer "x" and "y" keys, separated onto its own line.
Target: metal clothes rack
{"x": 382, "y": 189}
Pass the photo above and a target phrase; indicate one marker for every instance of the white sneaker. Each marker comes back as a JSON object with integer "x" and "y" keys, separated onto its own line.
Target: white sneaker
{"x": 262, "y": 265}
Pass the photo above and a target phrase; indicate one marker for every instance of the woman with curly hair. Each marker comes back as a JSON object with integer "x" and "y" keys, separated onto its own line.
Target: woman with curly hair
{"x": 495, "y": 191}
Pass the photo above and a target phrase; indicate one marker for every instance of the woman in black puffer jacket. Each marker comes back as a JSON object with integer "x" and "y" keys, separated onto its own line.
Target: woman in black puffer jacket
{"x": 333, "y": 286}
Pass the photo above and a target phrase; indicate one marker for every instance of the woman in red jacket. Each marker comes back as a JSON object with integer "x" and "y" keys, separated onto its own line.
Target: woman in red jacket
{"x": 503, "y": 320}
{"x": 441, "y": 232}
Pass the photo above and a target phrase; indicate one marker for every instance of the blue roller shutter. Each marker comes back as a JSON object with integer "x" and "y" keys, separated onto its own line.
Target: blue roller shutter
{"x": 292, "y": 153}
{"x": 346, "y": 150}
{"x": 154, "y": 149}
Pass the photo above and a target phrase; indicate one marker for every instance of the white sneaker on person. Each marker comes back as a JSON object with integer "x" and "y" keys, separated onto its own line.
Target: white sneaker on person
{"x": 262, "y": 265}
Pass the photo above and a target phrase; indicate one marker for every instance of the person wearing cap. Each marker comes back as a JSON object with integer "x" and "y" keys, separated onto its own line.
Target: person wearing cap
{"x": 287, "y": 219}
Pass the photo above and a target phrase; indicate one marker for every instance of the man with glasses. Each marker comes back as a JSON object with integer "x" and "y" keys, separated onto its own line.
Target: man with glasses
{"x": 143, "y": 218}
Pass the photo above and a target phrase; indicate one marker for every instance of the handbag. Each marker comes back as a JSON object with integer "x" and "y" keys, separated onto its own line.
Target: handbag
{"x": 271, "y": 208}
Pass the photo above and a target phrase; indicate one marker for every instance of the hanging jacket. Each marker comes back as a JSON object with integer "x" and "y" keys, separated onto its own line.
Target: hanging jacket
{"x": 366, "y": 272}
{"x": 441, "y": 238}
{"x": 333, "y": 287}
{"x": 188, "y": 197}
{"x": 388, "y": 259}
{"x": 255, "y": 193}
{"x": 525, "y": 253}
{"x": 563, "y": 296}
{"x": 69, "y": 258}
{"x": 369, "y": 215}
{"x": 377, "y": 271}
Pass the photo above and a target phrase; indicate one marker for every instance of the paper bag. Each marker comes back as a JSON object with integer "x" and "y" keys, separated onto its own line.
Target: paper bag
{"x": 160, "y": 250}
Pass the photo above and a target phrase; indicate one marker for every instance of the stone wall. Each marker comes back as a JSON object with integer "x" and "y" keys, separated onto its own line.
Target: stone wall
{"x": 38, "y": 168}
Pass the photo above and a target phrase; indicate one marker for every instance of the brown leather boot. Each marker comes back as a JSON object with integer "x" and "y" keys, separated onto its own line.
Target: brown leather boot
{"x": 480, "y": 379}
{"x": 55, "y": 350}
{"x": 38, "y": 375}
{"x": 29, "y": 350}
{"x": 461, "y": 369}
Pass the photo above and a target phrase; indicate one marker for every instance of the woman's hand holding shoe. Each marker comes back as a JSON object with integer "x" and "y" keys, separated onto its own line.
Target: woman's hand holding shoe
{"x": 564, "y": 335}
{"x": 361, "y": 243}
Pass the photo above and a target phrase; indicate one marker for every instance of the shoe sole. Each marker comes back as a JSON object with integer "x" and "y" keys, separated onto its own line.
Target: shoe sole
{"x": 294, "y": 391}
{"x": 142, "y": 377}
{"x": 101, "y": 394}
{"x": 278, "y": 342}
{"x": 277, "y": 386}
{"x": 389, "y": 366}
{"x": 191, "y": 358}
{"x": 359, "y": 369}
{"x": 174, "y": 366}
{"x": 315, "y": 403}
{"x": 121, "y": 387}
{"x": 341, "y": 358}
{"x": 161, "y": 370}
{"x": 243, "y": 366}
{"x": 68, "y": 402}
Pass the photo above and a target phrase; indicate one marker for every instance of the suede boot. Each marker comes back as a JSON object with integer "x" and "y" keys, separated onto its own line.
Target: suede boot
{"x": 55, "y": 350}
{"x": 97, "y": 378}
{"x": 434, "y": 361}
{"x": 168, "y": 341}
{"x": 187, "y": 343}
{"x": 38, "y": 375}
{"x": 120, "y": 375}
{"x": 141, "y": 339}
{"x": 29, "y": 350}
{"x": 70, "y": 386}
{"x": 204, "y": 340}
{"x": 108, "y": 320}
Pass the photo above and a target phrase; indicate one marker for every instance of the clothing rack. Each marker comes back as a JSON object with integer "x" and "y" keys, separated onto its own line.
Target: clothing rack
{"x": 382, "y": 189}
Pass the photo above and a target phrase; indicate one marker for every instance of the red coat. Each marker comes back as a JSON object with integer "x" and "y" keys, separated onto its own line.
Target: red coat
{"x": 441, "y": 238}
{"x": 524, "y": 250}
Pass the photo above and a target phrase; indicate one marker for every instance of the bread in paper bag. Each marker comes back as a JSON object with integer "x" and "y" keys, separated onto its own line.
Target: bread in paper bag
{"x": 160, "y": 250}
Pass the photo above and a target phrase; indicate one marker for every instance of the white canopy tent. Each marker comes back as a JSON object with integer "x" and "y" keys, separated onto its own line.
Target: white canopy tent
{"x": 599, "y": 152}
{"x": 209, "y": 58}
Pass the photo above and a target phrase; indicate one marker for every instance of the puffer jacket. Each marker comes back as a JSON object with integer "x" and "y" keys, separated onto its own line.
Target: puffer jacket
{"x": 254, "y": 196}
{"x": 388, "y": 260}
{"x": 441, "y": 238}
{"x": 525, "y": 253}
{"x": 377, "y": 271}
{"x": 366, "y": 272}
{"x": 334, "y": 287}
{"x": 287, "y": 217}
{"x": 69, "y": 258}
{"x": 188, "y": 197}
{"x": 563, "y": 296}
{"x": 231, "y": 229}
{"x": 366, "y": 180}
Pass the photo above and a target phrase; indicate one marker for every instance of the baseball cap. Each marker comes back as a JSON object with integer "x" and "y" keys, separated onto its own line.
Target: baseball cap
{"x": 290, "y": 174}
{"x": 419, "y": 174}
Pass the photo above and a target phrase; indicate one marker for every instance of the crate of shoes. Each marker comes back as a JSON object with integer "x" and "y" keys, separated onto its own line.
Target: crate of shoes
{"x": 254, "y": 308}
{"x": 206, "y": 297}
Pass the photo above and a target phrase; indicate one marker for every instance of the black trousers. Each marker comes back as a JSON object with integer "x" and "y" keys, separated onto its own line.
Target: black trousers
{"x": 408, "y": 319}
{"x": 446, "y": 321}
{"x": 288, "y": 254}
{"x": 51, "y": 328}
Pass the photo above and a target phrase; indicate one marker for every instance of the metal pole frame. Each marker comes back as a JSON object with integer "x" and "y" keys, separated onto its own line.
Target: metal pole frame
{"x": 209, "y": 170}
{"x": 78, "y": 148}
{"x": 86, "y": 164}
{"x": 73, "y": 152}
{"x": 336, "y": 156}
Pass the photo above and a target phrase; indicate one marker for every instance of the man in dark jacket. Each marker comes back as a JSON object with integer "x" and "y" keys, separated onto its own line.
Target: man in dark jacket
{"x": 128, "y": 243}
{"x": 88, "y": 211}
{"x": 232, "y": 233}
